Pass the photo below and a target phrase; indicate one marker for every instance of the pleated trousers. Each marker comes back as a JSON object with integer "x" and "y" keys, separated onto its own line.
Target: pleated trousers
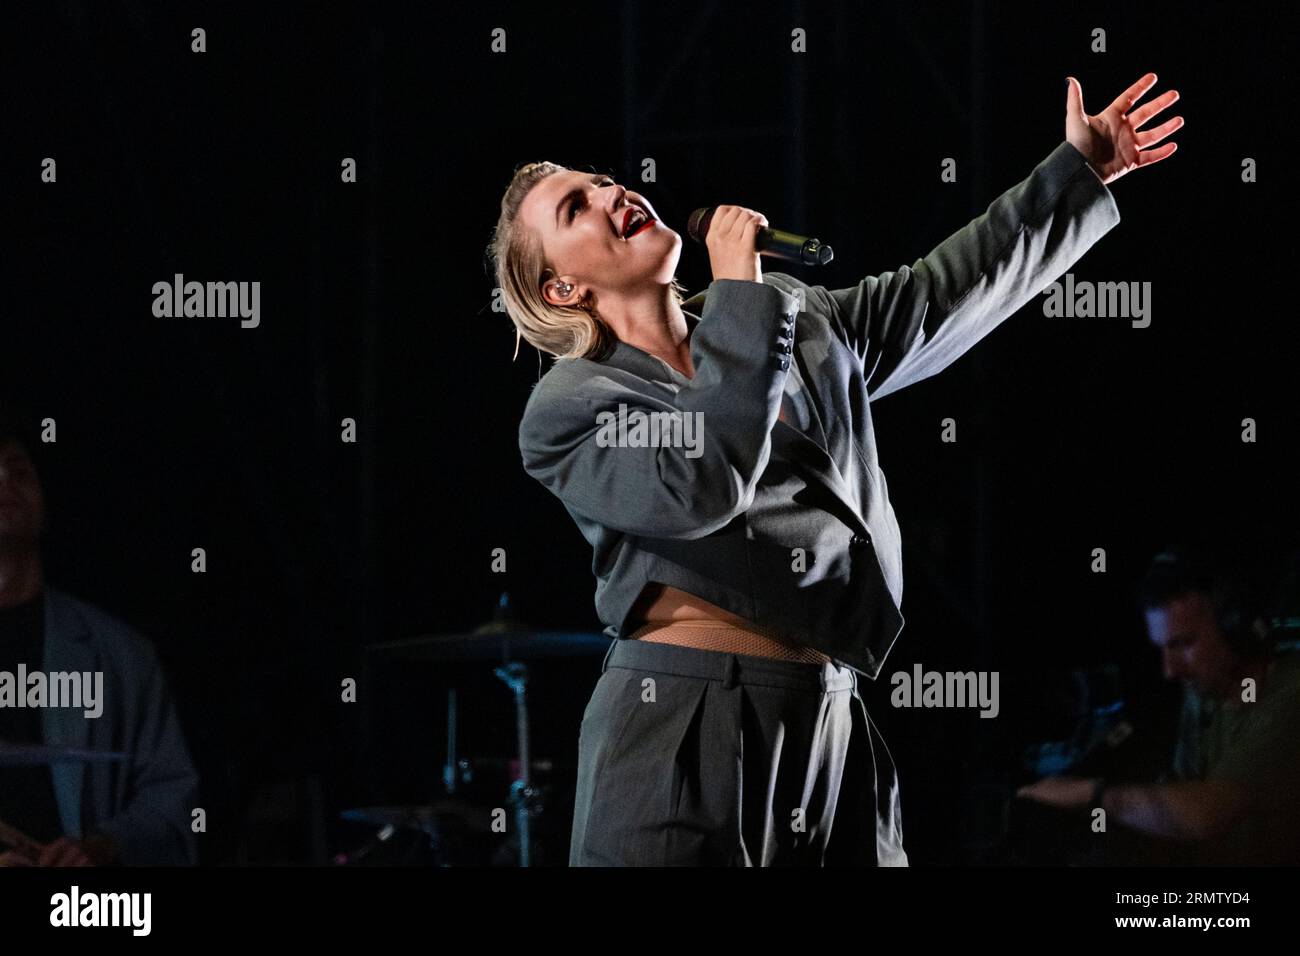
{"x": 690, "y": 757}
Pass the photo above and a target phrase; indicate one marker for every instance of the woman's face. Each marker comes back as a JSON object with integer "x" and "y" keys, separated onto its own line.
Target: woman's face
{"x": 580, "y": 218}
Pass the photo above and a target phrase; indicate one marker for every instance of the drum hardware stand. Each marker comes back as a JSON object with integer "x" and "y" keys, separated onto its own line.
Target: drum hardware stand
{"x": 522, "y": 793}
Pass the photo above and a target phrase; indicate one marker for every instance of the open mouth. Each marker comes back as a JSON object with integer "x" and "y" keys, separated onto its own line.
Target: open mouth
{"x": 634, "y": 221}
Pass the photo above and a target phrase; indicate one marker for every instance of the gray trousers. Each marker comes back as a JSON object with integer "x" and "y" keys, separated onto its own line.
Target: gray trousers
{"x": 689, "y": 757}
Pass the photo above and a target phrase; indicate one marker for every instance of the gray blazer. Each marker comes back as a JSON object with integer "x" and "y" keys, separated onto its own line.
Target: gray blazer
{"x": 767, "y": 521}
{"x": 144, "y": 802}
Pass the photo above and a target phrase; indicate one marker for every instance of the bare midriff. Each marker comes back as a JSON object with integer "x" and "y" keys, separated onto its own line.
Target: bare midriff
{"x": 667, "y": 615}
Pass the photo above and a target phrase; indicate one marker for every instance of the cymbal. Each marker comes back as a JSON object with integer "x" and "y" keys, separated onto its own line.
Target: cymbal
{"x": 424, "y": 817}
{"x": 494, "y": 646}
{"x": 39, "y": 755}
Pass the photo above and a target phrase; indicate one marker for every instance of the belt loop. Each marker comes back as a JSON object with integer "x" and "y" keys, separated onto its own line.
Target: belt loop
{"x": 729, "y": 674}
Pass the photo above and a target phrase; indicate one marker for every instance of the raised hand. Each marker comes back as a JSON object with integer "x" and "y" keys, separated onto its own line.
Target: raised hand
{"x": 1111, "y": 140}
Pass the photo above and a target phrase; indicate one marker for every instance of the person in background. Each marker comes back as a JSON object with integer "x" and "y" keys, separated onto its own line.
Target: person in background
{"x": 136, "y": 811}
{"x": 1230, "y": 792}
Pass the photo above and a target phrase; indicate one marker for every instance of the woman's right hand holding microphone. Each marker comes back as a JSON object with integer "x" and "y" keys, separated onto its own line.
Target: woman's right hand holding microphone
{"x": 732, "y": 242}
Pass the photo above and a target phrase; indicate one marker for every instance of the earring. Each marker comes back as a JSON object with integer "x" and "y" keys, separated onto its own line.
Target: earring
{"x": 565, "y": 288}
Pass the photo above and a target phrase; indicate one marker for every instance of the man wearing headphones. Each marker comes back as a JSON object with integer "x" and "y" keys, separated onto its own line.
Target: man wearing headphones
{"x": 1236, "y": 766}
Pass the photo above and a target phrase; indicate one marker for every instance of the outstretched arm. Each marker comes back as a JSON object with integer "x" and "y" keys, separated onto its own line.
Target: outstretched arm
{"x": 912, "y": 323}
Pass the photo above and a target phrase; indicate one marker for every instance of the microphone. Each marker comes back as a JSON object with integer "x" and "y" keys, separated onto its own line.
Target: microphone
{"x": 768, "y": 242}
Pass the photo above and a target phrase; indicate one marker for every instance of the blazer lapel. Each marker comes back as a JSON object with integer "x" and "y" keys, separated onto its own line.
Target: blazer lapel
{"x": 66, "y": 649}
{"x": 641, "y": 363}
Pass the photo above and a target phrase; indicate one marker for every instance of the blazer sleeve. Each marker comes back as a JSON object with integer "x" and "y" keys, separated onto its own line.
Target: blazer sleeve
{"x": 153, "y": 826}
{"x": 912, "y": 323}
{"x": 739, "y": 352}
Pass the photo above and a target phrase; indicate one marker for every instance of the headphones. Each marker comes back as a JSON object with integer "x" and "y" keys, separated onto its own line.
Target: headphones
{"x": 1175, "y": 571}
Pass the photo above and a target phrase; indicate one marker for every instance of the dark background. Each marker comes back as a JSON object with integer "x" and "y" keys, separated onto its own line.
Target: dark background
{"x": 178, "y": 433}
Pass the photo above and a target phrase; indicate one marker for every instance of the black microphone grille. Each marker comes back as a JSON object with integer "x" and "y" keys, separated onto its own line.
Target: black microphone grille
{"x": 697, "y": 226}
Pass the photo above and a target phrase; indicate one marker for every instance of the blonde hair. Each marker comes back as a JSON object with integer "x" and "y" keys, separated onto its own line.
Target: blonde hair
{"x": 520, "y": 268}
